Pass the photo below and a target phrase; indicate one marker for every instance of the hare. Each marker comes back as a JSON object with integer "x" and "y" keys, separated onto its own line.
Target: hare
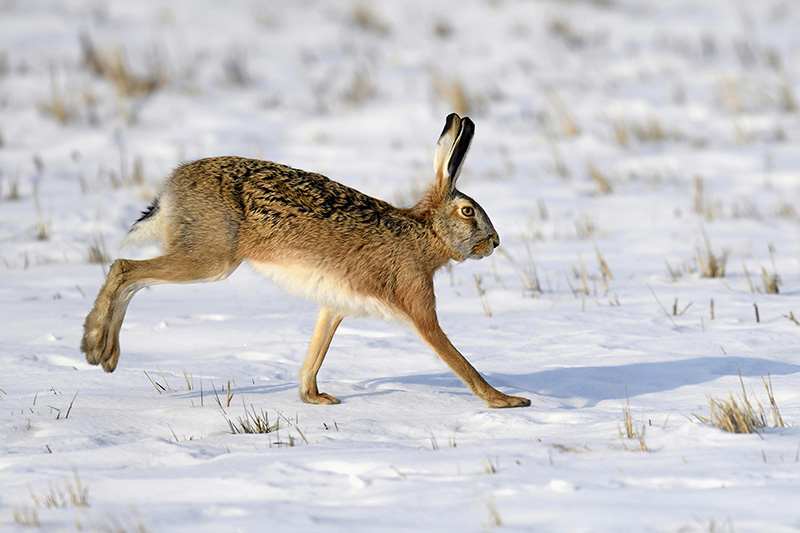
{"x": 353, "y": 254}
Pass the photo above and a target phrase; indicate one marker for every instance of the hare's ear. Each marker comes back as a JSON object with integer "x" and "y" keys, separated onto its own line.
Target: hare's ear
{"x": 451, "y": 149}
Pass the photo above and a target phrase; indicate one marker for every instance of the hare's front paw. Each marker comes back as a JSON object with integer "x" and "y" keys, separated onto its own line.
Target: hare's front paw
{"x": 319, "y": 398}
{"x": 508, "y": 401}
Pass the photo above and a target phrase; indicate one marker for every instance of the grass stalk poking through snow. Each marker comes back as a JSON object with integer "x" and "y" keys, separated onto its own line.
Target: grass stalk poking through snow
{"x": 630, "y": 430}
{"x": 70, "y": 495}
{"x": 526, "y": 271}
{"x": 482, "y": 294}
{"x": 600, "y": 180}
{"x": 711, "y": 264}
{"x": 98, "y": 251}
{"x": 739, "y": 415}
{"x": 253, "y": 422}
{"x": 159, "y": 387}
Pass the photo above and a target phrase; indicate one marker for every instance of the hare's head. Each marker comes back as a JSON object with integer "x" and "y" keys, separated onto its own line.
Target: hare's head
{"x": 456, "y": 218}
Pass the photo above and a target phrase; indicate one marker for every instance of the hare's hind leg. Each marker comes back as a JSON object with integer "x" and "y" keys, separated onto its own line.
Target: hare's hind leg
{"x": 327, "y": 322}
{"x": 126, "y": 277}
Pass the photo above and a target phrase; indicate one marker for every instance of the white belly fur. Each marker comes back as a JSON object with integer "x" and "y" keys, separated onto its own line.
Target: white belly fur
{"x": 325, "y": 289}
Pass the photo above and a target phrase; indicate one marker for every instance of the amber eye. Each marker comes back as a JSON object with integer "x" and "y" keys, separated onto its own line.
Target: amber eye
{"x": 467, "y": 211}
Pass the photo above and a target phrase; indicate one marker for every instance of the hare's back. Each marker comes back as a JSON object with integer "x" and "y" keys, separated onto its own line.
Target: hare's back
{"x": 316, "y": 237}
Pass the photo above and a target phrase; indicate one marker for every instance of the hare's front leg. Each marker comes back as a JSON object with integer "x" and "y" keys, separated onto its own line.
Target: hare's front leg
{"x": 327, "y": 322}
{"x": 424, "y": 319}
{"x": 435, "y": 337}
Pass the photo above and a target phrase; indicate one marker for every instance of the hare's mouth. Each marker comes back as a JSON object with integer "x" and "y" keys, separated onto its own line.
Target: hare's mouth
{"x": 482, "y": 248}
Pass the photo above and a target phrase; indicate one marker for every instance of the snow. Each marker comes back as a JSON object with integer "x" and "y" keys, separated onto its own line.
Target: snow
{"x": 652, "y": 94}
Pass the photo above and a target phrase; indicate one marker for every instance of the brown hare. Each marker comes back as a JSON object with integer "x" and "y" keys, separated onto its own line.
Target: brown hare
{"x": 353, "y": 254}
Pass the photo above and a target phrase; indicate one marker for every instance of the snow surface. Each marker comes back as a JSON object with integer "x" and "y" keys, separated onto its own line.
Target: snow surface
{"x": 650, "y": 94}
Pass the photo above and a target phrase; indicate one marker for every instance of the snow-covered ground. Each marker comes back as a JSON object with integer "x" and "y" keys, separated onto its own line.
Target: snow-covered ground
{"x": 612, "y": 137}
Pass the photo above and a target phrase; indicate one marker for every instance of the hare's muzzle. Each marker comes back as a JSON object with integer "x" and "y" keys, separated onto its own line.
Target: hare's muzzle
{"x": 485, "y": 247}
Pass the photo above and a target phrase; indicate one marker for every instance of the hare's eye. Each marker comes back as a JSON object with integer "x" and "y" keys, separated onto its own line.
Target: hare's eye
{"x": 468, "y": 211}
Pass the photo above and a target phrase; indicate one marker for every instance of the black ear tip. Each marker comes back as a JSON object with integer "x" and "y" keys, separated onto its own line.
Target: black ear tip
{"x": 448, "y": 122}
{"x": 468, "y": 125}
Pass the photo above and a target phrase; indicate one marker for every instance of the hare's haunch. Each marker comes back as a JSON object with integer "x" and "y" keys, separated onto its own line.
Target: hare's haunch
{"x": 353, "y": 254}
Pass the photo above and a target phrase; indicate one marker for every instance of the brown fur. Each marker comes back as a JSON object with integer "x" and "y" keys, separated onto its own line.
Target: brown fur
{"x": 352, "y": 253}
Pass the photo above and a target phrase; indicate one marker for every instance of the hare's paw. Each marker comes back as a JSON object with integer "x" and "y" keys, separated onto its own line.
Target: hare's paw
{"x": 319, "y": 398}
{"x": 100, "y": 344}
{"x": 508, "y": 401}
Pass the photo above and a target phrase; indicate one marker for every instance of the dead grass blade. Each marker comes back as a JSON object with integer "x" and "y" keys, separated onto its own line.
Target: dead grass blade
{"x": 630, "y": 430}
{"x": 740, "y": 415}
{"x": 777, "y": 419}
{"x": 711, "y": 265}
{"x": 664, "y": 309}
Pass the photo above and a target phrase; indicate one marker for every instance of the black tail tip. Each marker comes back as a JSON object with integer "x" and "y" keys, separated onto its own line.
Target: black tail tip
{"x": 149, "y": 212}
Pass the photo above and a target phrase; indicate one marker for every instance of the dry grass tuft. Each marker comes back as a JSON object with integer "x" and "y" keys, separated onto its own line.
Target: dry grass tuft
{"x": 600, "y": 180}
{"x": 526, "y": 271}
{"x": 113, "y": 66}
{"x": 559, "y": 165}
{"x": 58, "y": 107}
{"x": 739, "y": 415}
{"x": 711, "y": 265}
{"x": 703, "y": 205}
{"x": 258, "y": 423}
{"x": 733, "y": 416}
{"x": 580, "y": 274}
{"x": 13, "y": 187}
{"x": 573, "y": 38}
{"x": 454, "y": 93}
{"x": 42, "y": 227}
{"x": 770, "y": 281}
{"x": 570, "y": 449}
{"x": 584, "y": 279}
{"x": 482, "y": 294}
{"x": 649, "y": 131}
{"x": 567, "y": 122}
{"x": 98, "y": 251}
{"x": 113, "y": 523}
{"x": 494, "y": 515}
{"x": 604, "y": 270}
{"x": 442, "y": 28}
{"x": 71, "y": 494}
{"x": 254, "y": 422}
{"x": 365, "y": 17}
{"x": 360, "y": 89}
{"x": 26, "y": 516}
{"x": 631, "y": 432}
{"x": 786, "y": 99}
{"x": 128, "y": 84}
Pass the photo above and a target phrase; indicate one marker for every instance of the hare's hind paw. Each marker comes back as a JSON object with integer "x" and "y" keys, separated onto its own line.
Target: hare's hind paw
{"x": 319, "y": 398}
{"x": 100, "y": 345}
{"x": 508, "y": 401}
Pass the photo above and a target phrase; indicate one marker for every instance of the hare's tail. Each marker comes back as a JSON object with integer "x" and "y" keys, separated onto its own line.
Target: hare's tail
{"x": 149, "y": 228}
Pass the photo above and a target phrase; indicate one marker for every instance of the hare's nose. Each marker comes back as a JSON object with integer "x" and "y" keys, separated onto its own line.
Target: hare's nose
{"x": 496, "y": 241}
